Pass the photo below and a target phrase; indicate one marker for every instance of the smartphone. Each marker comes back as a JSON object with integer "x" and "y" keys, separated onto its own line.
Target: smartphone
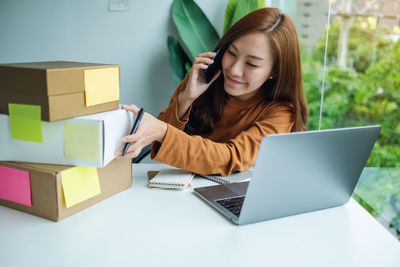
{"x": 212, "y": 69}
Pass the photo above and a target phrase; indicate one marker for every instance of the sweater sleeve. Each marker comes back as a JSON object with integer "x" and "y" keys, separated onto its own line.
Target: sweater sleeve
{"x": 170, "y": 114}
{"x": 204, "y": 156}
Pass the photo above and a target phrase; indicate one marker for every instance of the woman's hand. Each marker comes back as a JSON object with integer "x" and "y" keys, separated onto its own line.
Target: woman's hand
{"x": 196, "y": 84}
{"x": 150, "y": 129}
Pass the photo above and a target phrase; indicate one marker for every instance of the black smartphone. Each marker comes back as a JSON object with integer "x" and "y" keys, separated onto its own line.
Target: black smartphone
{"x": 212, "y": 69}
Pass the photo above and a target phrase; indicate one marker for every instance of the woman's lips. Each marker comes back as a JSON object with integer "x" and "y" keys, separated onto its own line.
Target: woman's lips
{"x": 233, "y": 80}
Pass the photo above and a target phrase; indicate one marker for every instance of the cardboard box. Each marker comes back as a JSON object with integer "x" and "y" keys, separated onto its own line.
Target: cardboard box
{"x": 89, "y": 140}
{"x": 62, "y": 89}
{"x": 47, "y": 191}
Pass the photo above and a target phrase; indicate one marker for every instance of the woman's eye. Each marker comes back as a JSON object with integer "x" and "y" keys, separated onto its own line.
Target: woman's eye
{"x": 231, "y": 53}
{"x": 252, "y": 65}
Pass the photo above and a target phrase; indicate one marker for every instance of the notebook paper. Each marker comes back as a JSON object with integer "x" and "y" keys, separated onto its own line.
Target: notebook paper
{"x": 171, "y": 178}
{"x": 236, "y": 177}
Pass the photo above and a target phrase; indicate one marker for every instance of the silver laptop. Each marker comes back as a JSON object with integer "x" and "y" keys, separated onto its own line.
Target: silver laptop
{"x": 296, "y": 173}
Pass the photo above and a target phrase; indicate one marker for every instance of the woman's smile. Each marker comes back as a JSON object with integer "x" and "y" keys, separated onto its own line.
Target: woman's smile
{"x": 233, "y": 81}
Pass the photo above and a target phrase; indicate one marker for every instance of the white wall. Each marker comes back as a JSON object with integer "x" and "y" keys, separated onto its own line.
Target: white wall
{"x": 84, "y": 30}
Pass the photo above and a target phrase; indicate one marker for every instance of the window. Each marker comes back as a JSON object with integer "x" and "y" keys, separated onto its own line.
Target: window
{"x": 363, "y": 88}
{"x": 362, "y": 85}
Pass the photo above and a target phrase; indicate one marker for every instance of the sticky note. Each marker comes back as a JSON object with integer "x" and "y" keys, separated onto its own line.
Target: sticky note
{"x": 81, "y": 141}
{"x": 15, "y": 185}
{"x": 25, "y": 122}
{"x": 79, "y": 184}
{"x": 101, "y": 85}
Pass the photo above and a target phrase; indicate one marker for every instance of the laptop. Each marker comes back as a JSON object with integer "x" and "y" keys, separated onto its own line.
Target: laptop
{"x": 296, "y": 173}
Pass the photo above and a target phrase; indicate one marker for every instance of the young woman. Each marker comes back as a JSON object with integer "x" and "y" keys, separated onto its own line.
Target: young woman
{"x": 217, "y": 127}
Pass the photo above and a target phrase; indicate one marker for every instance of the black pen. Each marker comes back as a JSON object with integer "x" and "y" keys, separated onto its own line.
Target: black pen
{"x": 134, "y": 129}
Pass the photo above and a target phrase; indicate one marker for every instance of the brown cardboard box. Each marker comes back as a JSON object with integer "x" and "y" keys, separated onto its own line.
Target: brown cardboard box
{"x": 57, "y": 86}
{"x": 46, "y": 189}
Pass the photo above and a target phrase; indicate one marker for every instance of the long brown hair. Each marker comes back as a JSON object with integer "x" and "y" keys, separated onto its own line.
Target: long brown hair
{"x": 286, "y": 84}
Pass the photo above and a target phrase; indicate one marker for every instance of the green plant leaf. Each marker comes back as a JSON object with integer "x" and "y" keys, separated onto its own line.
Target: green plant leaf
{"x": 177, "y": 59}
{"x": 236, "y": 9}
{"x": 194, "y": 28}
{"x": 188, "y": 66}
{"x": 229, "y": 12}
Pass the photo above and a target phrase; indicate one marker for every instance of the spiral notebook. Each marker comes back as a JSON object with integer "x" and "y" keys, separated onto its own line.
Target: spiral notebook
{"x": 236, "y": 177}
{"x": 171, "y": 178}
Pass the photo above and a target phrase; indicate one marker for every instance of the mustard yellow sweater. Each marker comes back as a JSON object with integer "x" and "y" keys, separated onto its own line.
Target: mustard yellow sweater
{"x": 234, "y": 143}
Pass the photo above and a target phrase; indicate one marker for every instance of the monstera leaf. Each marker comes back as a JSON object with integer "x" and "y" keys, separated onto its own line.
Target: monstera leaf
{"x": 178, "y": 59}
{"x": 194, "y": 28}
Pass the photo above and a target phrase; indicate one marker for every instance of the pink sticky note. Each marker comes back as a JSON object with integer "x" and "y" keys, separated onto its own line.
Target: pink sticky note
{"x": 15, "y": 185}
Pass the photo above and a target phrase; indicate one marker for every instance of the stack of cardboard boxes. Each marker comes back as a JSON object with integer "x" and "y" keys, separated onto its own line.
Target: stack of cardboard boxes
{"x": 60, "y": 113}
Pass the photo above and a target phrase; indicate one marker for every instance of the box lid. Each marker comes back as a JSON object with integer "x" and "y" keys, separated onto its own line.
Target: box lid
{"x": 53, "y": 65}
{"x": 45, "y": 168}
{"x": 51, "y": 78}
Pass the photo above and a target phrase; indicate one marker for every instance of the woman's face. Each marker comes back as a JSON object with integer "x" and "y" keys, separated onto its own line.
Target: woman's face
{"x": 246, "y": 65}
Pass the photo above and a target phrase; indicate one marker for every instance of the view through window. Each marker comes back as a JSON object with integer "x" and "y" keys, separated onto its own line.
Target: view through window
{"x": 361, "y": 85}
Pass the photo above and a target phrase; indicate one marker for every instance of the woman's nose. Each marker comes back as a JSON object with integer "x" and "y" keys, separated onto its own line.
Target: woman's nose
{"x": 236, "y": 68}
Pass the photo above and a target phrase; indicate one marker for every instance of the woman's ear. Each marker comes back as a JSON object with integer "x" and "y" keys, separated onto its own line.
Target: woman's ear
{"x": 272, "y": 75}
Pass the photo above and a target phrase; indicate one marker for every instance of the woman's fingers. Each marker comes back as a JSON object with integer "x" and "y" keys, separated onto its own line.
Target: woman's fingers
{"x": 150, "y": 129}
{"x": 196, "y": 84}
{"x": 203, "y": 60}
{"x": 200, "y": 66}
{"x": 132, "y": 154}
{"x": 118, "y": 152}
{"x": 130, "y": 138}
{"x": 207, "y": 54}
{"x": 133, "y": 151}
{"x": 133, "y": 108}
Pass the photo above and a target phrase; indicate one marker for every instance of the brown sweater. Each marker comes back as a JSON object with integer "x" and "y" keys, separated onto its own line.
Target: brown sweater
{"x": 234, "y": 143}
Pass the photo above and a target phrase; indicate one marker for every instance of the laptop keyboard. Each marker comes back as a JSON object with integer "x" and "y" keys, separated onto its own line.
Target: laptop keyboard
{"x": 234, "y": 205}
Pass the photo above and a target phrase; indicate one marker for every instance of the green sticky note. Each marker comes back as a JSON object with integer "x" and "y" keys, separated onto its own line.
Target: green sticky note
{"x": 79, "y": 184}
{"x": 25, "y": 122}
{"x": 81, "y": 141}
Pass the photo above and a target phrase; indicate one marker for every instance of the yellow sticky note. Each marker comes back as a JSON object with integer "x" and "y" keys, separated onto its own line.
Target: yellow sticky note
{"x": 101, "y": 85}
{"x": 79, "y": 184}
{"x": 81, "y": 141}
{"x": 25, "y": 122}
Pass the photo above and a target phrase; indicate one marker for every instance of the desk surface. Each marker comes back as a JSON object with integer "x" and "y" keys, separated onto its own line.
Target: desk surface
{"x": 154, "y": 227}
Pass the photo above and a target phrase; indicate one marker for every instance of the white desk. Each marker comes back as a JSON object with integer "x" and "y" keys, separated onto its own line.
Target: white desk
{"x": 144, "y": 227}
